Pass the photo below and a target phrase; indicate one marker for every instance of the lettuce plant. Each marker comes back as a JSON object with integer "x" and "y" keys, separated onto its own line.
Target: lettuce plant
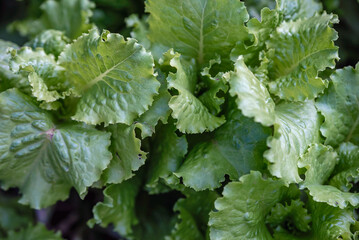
{"x": 245, "y": 120}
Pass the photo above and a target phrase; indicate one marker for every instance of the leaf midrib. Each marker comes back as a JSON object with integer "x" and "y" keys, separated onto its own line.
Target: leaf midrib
{"x": 104, "y": 74}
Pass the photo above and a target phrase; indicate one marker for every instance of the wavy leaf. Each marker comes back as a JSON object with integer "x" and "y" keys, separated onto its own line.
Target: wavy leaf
{"x": 197, "y": 29}
{"x": 298, "y": 52}
{"x": 41, "y": 158}
{"x": 114, "y": 76}
{"x": 340, "y": 107}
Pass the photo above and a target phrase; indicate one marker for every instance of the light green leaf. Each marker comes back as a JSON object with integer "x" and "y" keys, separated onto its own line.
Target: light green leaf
{"x": 261, "y": 30}
{"x": 236, "y": 148}
{"x": 118, "y": 207}
{"x": 193, "y": 216}
{"x": 252, "y": 96}
{"x": 296, "y": 127}
{"x": 114, "y": 76}
{"x": 52, "y": 41}
{"x": 242, "y": 210}
{"x": 191, "y": 114}
{"x": 197, "y": 29}
{"x": 69, "y": 16}
{"x": 9, "y": 79}
{"x": 340, "y": 107}
{"x": 347, "y": 169}
{"x": 327, "y": 223}
{"x": 330, "y": 222}
{"x": 298, "y": 52}
{"x": 126, "y": 152}
{"x": 38, "y": 232}
{"x": 294, "y": 212}
{"x": 297, "y": 9}
{"x": 45, "y": 160}
{"x": 167, "y": 155}
{"x": 44, "y": 75}
{"x": 159, "y": 109}
{"x": 214, "y": 88}
{"x": 139, "y": 29}
{"x": 320, "y": 161}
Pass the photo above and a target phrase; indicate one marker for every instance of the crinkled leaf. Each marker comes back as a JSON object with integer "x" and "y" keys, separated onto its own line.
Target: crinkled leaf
{"x": 52, "y": 41}
{"x": 261, "y": 30}
{"x": 9, "y": 79}
{"x": 159, "y": 109}
{"x": 126, "y": 152}
{"x": 45, "y": 160}
{"x": 298, "y": 52}
{"x": 330, "y": 222}
{"x": 252, "y": 96}
{"x": 214, "y": 88}
{"x": 114, "y": 76}
{"x": 44, "y": 75}
{"x": 197, "y": 29}
{"x": 340, "y": 107}
{"x": 191, "y": 114}
{"x": 167, "y": 155}
{"x": 69, "y": 16}
{"x": 193, "y": 216}
{"x": 118, "y": 207}
{"x": 294, "y": 213}
{"x": 38, "y": 232}
{"x": 139, "y": 29}
{"x": 297, "y": 9}
{"x": 236, "y": 148}
{"x": 242, "y": 210}
{"x": 347, "y": 170}
{"x": 320, "y": 161}
{"x": 296, "y": 127}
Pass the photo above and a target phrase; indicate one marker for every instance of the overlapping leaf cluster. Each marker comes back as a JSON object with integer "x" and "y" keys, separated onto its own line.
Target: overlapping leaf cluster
{"x": 245, "y": 117}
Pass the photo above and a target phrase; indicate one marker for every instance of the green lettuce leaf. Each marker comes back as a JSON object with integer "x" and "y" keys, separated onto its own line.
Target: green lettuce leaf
{"x": 242, "y": 210}
{"x": 297, "y": 9}
{"x": 140, "y": 30}
{"x": 126, "y": 152}
{"x": 252, "y": 96}
{"x": 340, "y": 107}
{"x": 118, "y": 207}
{"x": 45, "y": 76}
{"x": 38, "y": 232}
{"x": 330, "y": 222}
{"x": 236, "y": 148}
{"x": 52, "y": 41}
{"x": 115, "y": 77}
{"x": 166, "y": 157}
{"x": 298, "y": 51}
{"x": 197, "y": 29}
{"x": 320, "y": 161}
{"x": 41, "y": 158}
{"x": 191, "y": 114}
{"x": 327, "y": 223}
{"x": 296, "y": 127}
{"x": 260, "y": 30}
{"x": 213, "y": 88}
{"x": 295, "y": 213}
{"x": 9, "y": 79}
{"x": 347, "y": 170}
{"x": 159, "y": 109}
{"x": 69, "y": 16}
{"x": 193, "y": 216}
